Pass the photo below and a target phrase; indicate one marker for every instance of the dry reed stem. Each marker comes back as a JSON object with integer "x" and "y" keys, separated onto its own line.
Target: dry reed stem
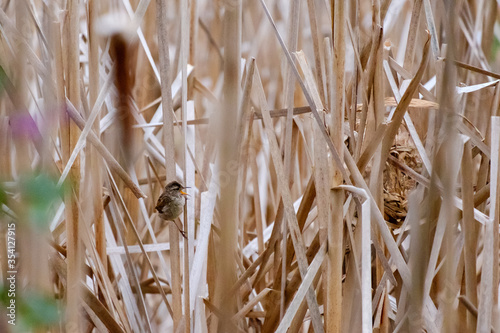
{"x": 289, "y": 89}
{"x": 408, "y": 243}
{"x": 288, "y": 209}
{"x": 412, "y": 33}
{"x": 484, "y": 319}
{"x": 335, "y": 228}
{"x": 72, "y": 216}
{"x": 188, "y": 223}
{"x": 470, "y": 233}
{"x": 169, "y": 144}
{"x": 227, "y": 139}
{"x": 95, "y": 161}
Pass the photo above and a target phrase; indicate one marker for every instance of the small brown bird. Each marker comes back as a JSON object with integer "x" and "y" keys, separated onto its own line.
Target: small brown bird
{"x": 171, "y": 203}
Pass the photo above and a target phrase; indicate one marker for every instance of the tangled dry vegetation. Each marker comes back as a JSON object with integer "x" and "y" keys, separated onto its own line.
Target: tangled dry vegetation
{"x": 341, "y": 160}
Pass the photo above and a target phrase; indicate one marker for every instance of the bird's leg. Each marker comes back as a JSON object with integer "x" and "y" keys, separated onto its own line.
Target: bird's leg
{"x": 183, "y": 233}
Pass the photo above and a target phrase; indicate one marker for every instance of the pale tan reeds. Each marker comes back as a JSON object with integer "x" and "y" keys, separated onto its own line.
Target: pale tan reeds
{"x": 341, "y": 158}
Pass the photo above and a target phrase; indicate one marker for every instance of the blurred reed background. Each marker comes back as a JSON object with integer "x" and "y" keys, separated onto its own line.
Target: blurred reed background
{"x": 341, "y": 158}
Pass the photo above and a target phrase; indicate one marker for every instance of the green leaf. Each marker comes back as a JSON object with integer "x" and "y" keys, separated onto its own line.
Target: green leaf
{"x": 39, "y": 193}
{"x": 37, "y": 309}
{"x": 3, "y": 197}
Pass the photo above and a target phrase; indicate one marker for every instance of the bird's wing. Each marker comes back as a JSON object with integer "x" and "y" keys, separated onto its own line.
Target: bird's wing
{"x": 163, "y": 200}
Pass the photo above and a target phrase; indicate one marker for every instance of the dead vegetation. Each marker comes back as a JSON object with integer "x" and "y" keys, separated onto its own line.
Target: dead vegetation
{"x": 341, "y": 160}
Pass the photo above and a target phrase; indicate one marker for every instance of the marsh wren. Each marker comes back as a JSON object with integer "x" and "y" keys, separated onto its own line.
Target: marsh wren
{"x": 171, "y": 203}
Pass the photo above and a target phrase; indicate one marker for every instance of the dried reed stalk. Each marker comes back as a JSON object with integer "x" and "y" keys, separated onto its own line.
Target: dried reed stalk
{"x": 95, "y": 162}
{"x": 72, "y": 80}
{"x": 365, "y": 200}
{"x": 169, "y": 145}
{"x": 228, "y": 137}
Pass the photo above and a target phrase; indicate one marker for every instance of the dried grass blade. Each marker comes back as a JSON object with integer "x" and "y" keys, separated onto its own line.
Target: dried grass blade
{"x": 412, "y": 33}
{"x": 133, "y": 303}
{"x": 100, "y": 310}
{"x": 335, "y": 227}
{"x": 476, "y": 69}
{"x": 470, "y": 230}
{"x": 288, "y": 204}
{"x": 432, "y": 28}
{"x": 122, "y": 284}
{"x": 248, "y": 307}
{"x": 197, "y": 280}
{"x": 372, "y": 147}
{"x": 311, "y": 6}
{"x": 403, "y": 104}
{"x": 366, "y": 280}
{"x": 166, "y": 89}
{"x": 358, "y": 179}
{"x": 141, "y": 8}
{"x": 392, "y": 247}
{"x": 72, "y": 76}
{"x": 108, "y": 157}
{"x": 302, "y": 291}
{"x": 227, "y": 139}
{"x": 407, "y": 76}
{"x": 486, "y": 288}
{"x": 89, "y": 125}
